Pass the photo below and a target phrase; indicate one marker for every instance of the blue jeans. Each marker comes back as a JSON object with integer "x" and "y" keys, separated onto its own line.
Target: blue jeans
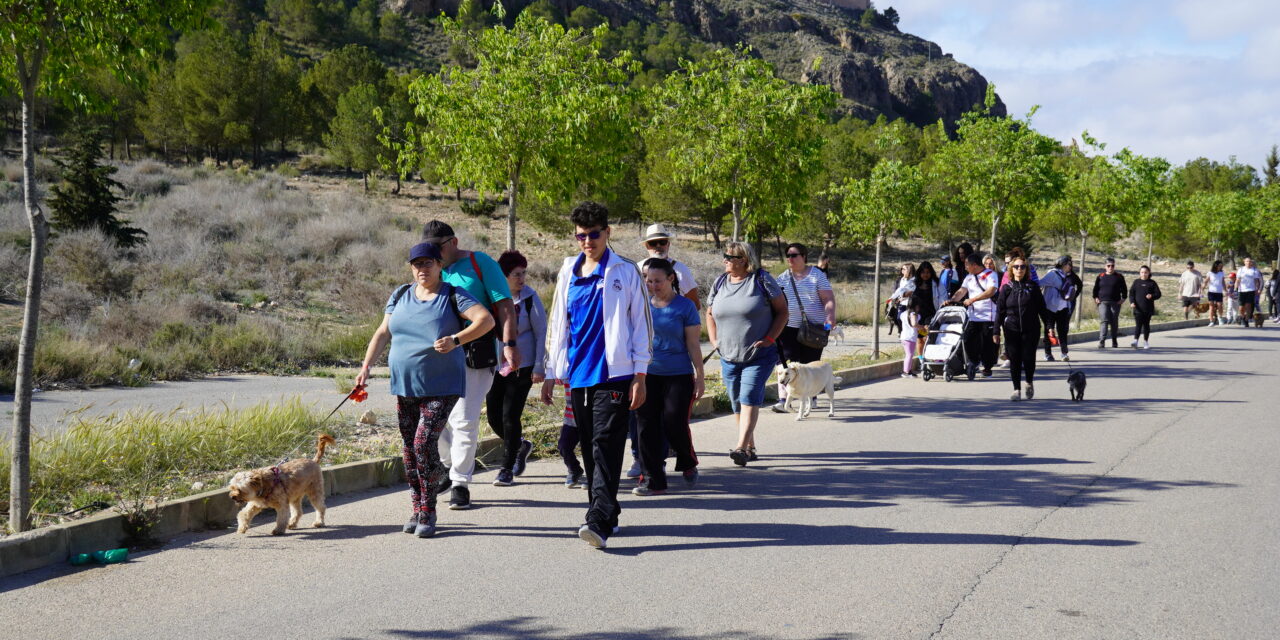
{"x": 745, "y": 381}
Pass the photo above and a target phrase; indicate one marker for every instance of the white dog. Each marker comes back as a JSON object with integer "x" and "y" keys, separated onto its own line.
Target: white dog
{"x": 837, "y": 334}
{"x": 804, "y": 381}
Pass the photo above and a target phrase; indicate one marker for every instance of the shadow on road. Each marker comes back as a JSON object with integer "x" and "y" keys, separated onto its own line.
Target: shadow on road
{"x": 977, "y": 407}
{"x": 530, "y": 628}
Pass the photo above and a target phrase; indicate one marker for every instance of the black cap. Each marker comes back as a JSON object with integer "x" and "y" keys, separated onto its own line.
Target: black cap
{"x": 424, "y": 250}
{"x": 436, "y": 231}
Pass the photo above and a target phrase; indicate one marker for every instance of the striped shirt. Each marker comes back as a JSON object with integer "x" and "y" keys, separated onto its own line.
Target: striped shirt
{"x": 808, "y": 288}
{"x": 568, "y": 408}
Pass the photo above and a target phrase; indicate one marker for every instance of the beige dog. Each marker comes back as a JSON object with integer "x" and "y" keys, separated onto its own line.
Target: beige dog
{"x": 278, "y": 487}
{"x": 804, "y": 381}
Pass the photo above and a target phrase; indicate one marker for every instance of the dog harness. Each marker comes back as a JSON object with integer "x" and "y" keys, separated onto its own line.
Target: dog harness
{"x": 276, "y": 482}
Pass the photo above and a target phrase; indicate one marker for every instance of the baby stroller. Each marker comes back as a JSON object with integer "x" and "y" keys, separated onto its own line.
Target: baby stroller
{"x": 944, "y": 351}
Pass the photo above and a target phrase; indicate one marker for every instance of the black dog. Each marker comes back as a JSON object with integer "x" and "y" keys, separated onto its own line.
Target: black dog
{"x": 1076, "y": 382}
{"x": 895, "y": 319}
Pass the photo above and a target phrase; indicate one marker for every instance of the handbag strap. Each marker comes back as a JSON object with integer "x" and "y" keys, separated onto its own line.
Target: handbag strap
{"x": 480, "y": 275}
{"x": 791, "y": 277}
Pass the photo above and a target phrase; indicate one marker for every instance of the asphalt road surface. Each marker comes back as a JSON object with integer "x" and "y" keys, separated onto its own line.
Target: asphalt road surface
{"x": 921, "y": 510}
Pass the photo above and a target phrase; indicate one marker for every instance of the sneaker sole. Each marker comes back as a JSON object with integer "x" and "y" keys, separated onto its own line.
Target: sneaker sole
{"x": 499, "y": 483}
{"x": 453, "y": 506}
{"x": 592, "y": 538}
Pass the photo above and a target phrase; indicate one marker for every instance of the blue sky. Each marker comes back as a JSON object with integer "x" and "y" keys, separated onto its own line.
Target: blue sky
{"x": 1174, "y": 78}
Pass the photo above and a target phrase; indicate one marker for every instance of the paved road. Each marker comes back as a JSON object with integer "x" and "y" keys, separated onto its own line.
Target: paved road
{"x": 922, "y": 510}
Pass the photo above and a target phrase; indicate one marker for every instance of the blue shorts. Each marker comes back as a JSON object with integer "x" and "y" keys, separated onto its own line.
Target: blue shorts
{"x": 744, "y": 382}
{"x": 1215, "y": 297}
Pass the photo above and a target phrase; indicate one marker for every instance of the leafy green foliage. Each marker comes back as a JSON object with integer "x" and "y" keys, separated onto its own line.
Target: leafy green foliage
{"x": 734, "y": 132}
{"x": 85, "y": 199}
{"x": 541, "y": 112}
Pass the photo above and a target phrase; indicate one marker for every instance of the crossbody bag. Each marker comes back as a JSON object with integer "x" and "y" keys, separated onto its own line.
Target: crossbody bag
{"x": 811, "y": 334}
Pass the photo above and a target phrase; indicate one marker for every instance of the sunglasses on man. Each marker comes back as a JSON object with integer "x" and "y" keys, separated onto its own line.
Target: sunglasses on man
{"x": 658, "y": 243}
{"x": 593, "y": 235}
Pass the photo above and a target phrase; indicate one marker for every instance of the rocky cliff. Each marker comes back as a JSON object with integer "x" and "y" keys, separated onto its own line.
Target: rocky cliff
{"x": 876, "y": 70}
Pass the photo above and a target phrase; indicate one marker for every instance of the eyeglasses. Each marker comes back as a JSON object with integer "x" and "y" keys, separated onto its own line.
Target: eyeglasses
{"x": 729, "y": 257}
{"x": 658, "y": 243}
{"x": 1111, "y": 266}
{"x": 794, "y": 255}
{"x": 594, "y": 235}
{"x": 422, "y": 264}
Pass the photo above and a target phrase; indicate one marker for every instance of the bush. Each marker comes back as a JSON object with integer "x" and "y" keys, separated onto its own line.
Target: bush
{"x": 478, "y": 208}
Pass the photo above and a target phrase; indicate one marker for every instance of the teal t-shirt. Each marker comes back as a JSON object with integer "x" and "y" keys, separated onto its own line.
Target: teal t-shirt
{"x": 417, "y": 369}
{"x": 670, "y": 354}
{"x": 494, "y": 287}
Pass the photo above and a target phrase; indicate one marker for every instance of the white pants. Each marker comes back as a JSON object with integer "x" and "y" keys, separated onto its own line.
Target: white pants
{"x": 459, "y": 441}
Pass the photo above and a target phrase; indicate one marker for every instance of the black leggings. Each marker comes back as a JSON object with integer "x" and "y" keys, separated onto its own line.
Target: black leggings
{"x": 663, "y": 419}
{"x": 504, "y": 405}
{"x": 1061, "y": 323}
{"x": 1022, "y": 354}
{"x": 790, "y": 349}
{"x": 1142, "y": 320}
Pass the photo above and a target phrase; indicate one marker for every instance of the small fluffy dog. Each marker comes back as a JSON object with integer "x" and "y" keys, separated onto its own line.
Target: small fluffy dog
{"x": 837, "y": 334}
{"x": 1200, "y": 308}
{"x": 278, "y": 487}
{"x": 895, "y": 320}
{"x": 804, "y": 381}
{"x": 1076, "y": 383}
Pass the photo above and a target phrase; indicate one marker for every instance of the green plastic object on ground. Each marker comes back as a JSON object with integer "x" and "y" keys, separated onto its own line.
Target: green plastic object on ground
{"x": 109, "y": 556}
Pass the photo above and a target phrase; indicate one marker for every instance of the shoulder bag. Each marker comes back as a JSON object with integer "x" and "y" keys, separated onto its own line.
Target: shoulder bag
{"x": 812, "y": 334}
{"x": 482, "y": 353}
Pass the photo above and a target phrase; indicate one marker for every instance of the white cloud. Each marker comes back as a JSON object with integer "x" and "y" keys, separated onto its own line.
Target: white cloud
{"x": 1180, "y": 80}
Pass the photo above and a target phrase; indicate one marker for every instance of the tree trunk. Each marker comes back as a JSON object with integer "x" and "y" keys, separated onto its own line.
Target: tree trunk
{"x": 365, "y": 178}
{"x": 128, "y": 150}
{"x": 512, "y": 187}
{"x": 715, "y": 234}
{"x": 397, "y": 189}
{"x": 1151, "y": 243}
{"x": 782, "y": 252}
{"x": 995, "y": 223}
{"x": 457, "y": 193}
{"x": 20, "y": 475}
{"x": 875, "y": 301}
{"x": 1080, "y": 272}
{"x": 737, "y": 220}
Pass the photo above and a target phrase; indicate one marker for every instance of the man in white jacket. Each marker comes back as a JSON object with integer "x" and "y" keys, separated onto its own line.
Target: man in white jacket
{"x": 598, "y": 340}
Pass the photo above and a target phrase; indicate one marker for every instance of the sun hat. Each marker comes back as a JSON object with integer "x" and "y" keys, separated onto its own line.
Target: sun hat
{"x": 655, "y": 232}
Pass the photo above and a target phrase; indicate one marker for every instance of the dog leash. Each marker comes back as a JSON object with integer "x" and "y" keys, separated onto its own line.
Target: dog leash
{"x": 708, "y": 356}
{"x": 358, "y": 394}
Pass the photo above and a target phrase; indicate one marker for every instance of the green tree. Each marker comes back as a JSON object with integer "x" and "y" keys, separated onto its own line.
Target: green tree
{"x": 51, "y": 46}
{"x": 1223, "y": 218}
{"x": 210, "y": 78}
{"x": 273, "y": 108}
{"x": 353, "y": 134}
{"x": 337, "y": 72}
{"x": 891, "y": 18}
{"x": 746, "y": 136}
{"x": 1271, "y": 166}
{"x": 541, "y": 110}
{"x": 1092, "y": 197}
{"x": 890, "y": 199}
{"x": 1001, "y": 167}
{"x": 1150, "y": 194}
{"x": 85, "y": 198}
{"x": 160, "y": 118}
{"x": 362, "y": 23}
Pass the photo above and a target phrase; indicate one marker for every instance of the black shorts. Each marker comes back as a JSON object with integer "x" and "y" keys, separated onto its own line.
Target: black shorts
{"x": 1247, "y": 297}
{"x": 1188, "y": 302}
{"x": 1215, "y": 297}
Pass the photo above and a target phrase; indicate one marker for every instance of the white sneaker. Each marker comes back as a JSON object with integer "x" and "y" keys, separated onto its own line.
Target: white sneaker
{"x": 1066, "y": 357}
{"x": 780, "y": 407}
{"x": 1146, "y": 345}
{"x": 1134, "y": 344}
{"x": 1016, "y": 395}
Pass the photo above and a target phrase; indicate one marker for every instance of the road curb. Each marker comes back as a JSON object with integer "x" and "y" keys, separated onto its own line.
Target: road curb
{"x": 215, "y": 509}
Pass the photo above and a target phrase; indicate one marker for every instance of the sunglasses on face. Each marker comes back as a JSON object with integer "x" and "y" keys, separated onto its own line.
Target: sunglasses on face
{"x": 793, "y": 255}
{"x": 657, "y": 243}
{"x": 1018, "y": 266}
{"x": 729, "y": 257}
{"x": 593, "y": 235}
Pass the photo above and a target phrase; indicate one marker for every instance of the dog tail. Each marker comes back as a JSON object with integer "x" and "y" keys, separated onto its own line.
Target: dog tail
{"x": 323, "y": 441}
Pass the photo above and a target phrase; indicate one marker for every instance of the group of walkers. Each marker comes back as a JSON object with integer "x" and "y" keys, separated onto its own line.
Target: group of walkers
{"x": 621, "y": 344}
{"x": 1233, "y": 298}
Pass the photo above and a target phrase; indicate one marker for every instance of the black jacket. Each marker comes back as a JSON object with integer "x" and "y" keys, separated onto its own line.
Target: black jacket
{"x": 1020, "y": 307}
{"x": 1110, "y": 288}
{"x": 1138, "y": 294}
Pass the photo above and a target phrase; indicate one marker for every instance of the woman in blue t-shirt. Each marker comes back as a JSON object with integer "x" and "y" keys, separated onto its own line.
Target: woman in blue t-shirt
{"x": 673, "y": 384}
{"x": 423, "y": 322}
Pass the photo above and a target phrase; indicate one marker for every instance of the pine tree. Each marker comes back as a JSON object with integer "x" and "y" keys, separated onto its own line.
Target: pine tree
{"x": 84, "y": 199}
{"x": 1269, "y": 171}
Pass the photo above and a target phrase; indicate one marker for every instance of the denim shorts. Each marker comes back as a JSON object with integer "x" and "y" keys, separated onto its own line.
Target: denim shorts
{"x": 744, "y": 382}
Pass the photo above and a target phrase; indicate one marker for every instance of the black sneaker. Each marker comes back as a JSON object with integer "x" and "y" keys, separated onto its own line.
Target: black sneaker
{"x": 739, "y": 457}
{"x": 411, "y": 525}
{"x": 1048, "y": 357}
{"x": 445, "y": 484}
{"x": 460, "y": 498}
{"x": 971, "y": 371}
{"x": 1102, "y": 344}
{"x": 504, "y": 478}
{"x": 522, "y": 458}
{"x": 690, "y": 476}
{"x": 574, "y": 479}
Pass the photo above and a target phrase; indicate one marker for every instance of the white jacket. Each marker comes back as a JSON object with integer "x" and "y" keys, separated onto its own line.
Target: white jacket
{"x": 628, "y": 330}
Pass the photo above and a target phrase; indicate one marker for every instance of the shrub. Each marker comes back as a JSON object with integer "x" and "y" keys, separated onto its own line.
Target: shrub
{"x": 478, "y": 208}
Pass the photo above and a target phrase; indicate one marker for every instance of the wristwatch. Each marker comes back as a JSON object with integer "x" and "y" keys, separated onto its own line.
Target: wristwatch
{"x": 456, "y": 341}
{"x": 509, "y": 343}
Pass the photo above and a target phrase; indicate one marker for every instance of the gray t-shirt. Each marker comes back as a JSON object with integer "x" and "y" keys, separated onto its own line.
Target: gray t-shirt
{"x": 743, "y": 316}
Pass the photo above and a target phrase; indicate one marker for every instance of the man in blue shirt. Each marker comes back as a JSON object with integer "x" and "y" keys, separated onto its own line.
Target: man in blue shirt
{"x": 598, "y": 340}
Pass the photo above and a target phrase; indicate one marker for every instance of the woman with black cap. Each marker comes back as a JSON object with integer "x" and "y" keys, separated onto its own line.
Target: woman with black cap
{"x": 427, "y": 323}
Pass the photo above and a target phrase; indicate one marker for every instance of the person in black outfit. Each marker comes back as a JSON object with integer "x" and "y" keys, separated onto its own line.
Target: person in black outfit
{"x": 1061, "y": 287}
{"x": 1142, "y": 297}
{"x": 1109, "y": 292}
{"x": 1019, "y": 309}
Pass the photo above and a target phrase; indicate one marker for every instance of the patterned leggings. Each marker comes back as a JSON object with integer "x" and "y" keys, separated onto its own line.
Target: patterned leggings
{"x": 421, "y": 421}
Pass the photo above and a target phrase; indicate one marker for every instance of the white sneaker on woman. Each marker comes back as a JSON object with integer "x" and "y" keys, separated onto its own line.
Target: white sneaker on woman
{"x": 1016, "y": 395}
